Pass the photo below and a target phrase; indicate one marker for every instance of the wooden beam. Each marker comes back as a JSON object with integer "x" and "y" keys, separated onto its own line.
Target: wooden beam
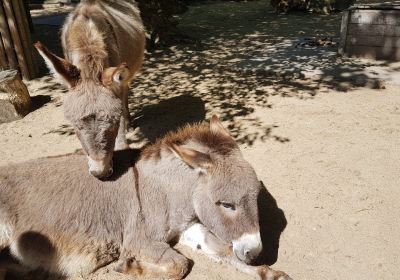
{"x": 374, "y": 52}
{"x": 373, "y": 41}
{"x": 375, "y": 17}
{"x": 373, "y": 29}
{"x": 7, "y": 41}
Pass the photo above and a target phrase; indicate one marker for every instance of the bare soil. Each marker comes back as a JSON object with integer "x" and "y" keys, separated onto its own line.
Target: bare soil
{"x": 322, "y": 132}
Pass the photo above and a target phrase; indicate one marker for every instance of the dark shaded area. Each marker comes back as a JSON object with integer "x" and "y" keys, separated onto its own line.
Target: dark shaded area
{"x": 158, "y": 119}
{"x": 122, "y": 161}
{"x": 39, "y": 101}
{"x": 38, "y": 247}
{"x": 272, "y": 224}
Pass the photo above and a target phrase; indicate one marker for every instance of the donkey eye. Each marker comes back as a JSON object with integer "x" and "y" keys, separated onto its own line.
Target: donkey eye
{"x": 227, "y": 205}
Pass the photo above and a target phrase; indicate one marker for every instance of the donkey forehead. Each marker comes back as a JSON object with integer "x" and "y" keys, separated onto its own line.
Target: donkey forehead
{"x": 81, "y": 105}
{"x": 234, "y": 179}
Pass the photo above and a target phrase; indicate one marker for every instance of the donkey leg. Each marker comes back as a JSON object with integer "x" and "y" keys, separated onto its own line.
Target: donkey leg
{"x": 155, "y": 260}
{"x": 201, "y": 240}
{"x": 121, "y": 142}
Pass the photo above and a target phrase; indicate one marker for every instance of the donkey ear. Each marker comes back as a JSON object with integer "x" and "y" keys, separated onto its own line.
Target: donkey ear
{"x": 216, "y": 127}
{"x": 118, "y": 75}
{"x": 68, "y": 73}
{"x": 195, "y": 159}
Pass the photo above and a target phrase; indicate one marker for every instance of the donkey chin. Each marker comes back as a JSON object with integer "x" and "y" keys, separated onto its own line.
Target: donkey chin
{"x": 247, "y": 247}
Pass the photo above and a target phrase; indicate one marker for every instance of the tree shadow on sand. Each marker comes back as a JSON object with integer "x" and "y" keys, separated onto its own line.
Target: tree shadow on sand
{"x": 242, "y": 55}
{"x": 155, "y": 120}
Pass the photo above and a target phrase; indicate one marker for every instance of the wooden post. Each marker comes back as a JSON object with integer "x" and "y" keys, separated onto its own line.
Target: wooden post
{"x": 25, "y": 35}
{"x": 15, "y": 36}
{"x": 343, "y": 32}
{"x": 3, "y": 57}
{"x": 13, "y": 90}
{"x": 7, "y": 41}
{"x": 12, "y": 24}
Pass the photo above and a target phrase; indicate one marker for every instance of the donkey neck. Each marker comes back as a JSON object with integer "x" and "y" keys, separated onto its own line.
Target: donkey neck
{"x": 166, "y": 191}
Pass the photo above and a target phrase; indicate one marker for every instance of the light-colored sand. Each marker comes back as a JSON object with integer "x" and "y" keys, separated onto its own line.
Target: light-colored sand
{"x": 326, "y": 149}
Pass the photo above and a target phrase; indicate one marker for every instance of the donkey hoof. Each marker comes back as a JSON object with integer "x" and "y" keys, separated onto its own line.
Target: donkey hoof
{"x": 284, "y": 277}
{"x": 129, "y": 266}
{"x": 267, "y": 273}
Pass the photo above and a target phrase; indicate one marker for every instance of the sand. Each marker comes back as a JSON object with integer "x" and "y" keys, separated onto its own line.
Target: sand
{"x": 326, "y": 146}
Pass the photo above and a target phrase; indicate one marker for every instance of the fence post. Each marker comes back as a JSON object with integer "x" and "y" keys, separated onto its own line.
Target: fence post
{"x": 15, "y": 39}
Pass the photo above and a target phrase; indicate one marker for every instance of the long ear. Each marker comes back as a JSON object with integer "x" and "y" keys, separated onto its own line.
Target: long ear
{"x": 61, "y": 68}
{"x": 116, "y": 75}
{"x": 195, "y": 159}
{"x": 216, "y": 127}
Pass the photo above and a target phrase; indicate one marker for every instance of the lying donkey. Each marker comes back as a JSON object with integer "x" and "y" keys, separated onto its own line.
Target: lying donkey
{"x": 103, "y": 42}
{"x": 193, "y": 184}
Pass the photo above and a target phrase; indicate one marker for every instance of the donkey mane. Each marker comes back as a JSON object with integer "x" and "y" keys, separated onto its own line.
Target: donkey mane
{"x": 199, "y": 133}
{"x": 88, "y": 41}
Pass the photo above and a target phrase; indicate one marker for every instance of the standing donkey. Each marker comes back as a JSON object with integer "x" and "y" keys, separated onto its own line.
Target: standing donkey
{"x": 103, "y": 42}
{"x": 193, "y": 184}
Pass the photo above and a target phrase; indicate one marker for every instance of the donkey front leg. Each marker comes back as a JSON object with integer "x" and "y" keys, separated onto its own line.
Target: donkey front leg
{"x": 201, "y": 240}
{"x": 121, "y": 142}
{"x": 154, "y": 260}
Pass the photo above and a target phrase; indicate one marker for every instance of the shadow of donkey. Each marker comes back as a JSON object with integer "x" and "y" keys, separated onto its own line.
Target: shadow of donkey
{"x": 272, "y": 224}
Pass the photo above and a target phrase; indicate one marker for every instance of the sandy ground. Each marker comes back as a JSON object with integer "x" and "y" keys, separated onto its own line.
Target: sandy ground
{"x": 325, "y": 144}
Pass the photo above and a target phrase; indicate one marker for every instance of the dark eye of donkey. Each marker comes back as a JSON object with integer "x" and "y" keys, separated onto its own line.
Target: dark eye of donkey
{"x": 226, "y": 205}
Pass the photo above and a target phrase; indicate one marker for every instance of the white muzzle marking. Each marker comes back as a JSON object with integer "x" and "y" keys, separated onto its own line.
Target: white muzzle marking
{"x": 248, "y": 246}
{"x": 100, "y": 168}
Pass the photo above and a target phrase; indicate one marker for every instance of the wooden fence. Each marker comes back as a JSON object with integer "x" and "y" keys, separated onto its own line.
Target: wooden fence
{"x": 371, "y": 31}
{"x": 16, "y": 50}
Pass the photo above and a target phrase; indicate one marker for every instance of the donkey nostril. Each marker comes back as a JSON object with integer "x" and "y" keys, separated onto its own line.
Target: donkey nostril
{"x": 110, "y": 171}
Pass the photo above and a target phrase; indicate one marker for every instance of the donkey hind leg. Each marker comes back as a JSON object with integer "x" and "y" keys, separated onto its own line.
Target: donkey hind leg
{"x": 121, "y": 142}
{"x": 62, "y": 255}
{"x": 160, "y": 261}
{"x": 198, "y": 238}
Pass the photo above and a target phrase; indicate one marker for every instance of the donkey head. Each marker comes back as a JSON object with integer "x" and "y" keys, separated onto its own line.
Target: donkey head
{"x": 92, "y": 106}
{"x": 225, "y": 200}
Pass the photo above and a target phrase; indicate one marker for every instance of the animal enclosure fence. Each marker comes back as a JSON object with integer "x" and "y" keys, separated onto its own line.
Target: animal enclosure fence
{"x": 371, "y": 30}
{"x": 16, "y": 51}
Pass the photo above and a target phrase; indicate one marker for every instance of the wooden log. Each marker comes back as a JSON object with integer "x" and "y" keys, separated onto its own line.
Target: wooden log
{"x": 7, "y": 41}
{"x": 13, "y": 90}
{"x": 25, "y": 35}
{"x": 19, "y": 50}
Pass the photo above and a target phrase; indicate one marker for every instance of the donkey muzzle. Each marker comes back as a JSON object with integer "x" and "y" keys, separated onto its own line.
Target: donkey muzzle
{"x": 247, "y": 247}
{"x": 100, "y": 168}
